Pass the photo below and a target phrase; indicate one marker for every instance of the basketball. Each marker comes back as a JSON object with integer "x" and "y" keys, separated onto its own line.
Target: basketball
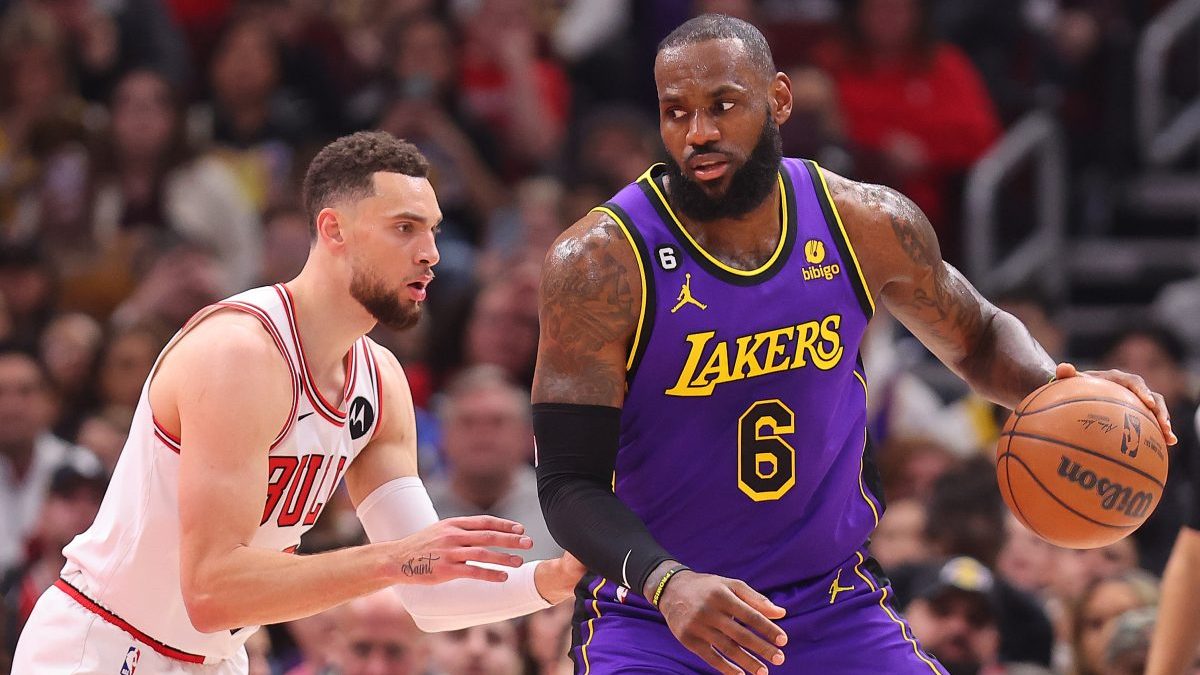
{"x": 1082, "y": 462}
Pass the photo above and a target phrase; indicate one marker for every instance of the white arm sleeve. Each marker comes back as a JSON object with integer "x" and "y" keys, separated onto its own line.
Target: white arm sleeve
{"x": 402, "y": 507}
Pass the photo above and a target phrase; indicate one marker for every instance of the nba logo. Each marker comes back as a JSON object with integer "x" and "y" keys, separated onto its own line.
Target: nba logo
{"x": 1131, "y": 438}
{"x": 131, "y": 661}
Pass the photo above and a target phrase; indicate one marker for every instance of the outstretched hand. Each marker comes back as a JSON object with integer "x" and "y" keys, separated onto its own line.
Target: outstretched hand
{"x": 444, "y": 550}
{"x": 1153, "y": 400}
{"x": 556, "y": 579}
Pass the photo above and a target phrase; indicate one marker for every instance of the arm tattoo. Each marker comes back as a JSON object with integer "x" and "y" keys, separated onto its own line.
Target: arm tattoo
{"x": 988, "y": 348}
{"x": 587, "y": 305}
{"x": 917, "y": 244}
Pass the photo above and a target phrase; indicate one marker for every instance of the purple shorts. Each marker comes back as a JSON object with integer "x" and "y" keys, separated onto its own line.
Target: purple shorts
{"x": 615, "y": 631}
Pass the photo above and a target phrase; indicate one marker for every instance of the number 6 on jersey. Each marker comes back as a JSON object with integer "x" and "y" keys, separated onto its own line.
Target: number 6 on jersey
{"x": 766, "y": 462}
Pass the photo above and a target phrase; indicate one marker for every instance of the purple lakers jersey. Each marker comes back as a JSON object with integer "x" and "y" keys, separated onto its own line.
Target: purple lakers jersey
{"x": 743, "y": 433}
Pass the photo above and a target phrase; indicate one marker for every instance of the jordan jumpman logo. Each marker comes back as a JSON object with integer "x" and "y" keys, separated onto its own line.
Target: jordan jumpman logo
{"x": 685, "y": 295}
{"x": 837, "y": 587}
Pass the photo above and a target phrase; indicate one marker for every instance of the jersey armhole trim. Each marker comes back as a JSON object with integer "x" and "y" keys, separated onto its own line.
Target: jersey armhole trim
{"x": 641, "y": 335}
{"x": 833, "y": 219}
{"x": 376, "y": 378}
{"x": 175, "y": 443}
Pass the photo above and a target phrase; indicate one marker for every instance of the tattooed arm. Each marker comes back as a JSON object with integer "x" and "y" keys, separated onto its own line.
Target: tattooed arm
{"x": 987, "y": 347}
{"x": 903, "y": 266}
{"x": 589, "y": 309}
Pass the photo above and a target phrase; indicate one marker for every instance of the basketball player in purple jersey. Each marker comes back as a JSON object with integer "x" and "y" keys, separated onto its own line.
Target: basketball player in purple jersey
{"x": 699, "y": 400}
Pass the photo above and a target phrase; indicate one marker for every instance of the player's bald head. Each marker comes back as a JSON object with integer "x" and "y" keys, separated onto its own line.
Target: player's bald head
{"x": 708, "y": 27}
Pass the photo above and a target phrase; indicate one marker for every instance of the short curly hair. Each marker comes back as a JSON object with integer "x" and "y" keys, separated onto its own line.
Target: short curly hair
{"x": 344, "y": 169}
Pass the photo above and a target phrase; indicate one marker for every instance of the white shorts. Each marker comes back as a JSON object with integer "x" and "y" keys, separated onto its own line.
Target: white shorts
{"x": 63, "y": 637}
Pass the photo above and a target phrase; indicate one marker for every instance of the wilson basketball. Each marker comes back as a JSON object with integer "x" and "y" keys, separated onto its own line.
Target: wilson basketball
{"x": 1082, "y": 462}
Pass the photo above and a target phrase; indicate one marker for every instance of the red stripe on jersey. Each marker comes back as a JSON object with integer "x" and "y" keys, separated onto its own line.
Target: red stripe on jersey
{"x": 171, "y": 445}
{"x": 328, "y": 411}
{"x": 168, "y": 439}
{"x": 91, "y": 605}
{"x": 265, "y": 319}
{"x": 378, "y": 392}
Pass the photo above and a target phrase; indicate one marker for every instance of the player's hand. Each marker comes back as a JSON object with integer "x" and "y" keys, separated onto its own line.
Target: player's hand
{"x": 440, "y": 552}
{"x": 1153, "y": 400}
{"x": 556, "y": 579}
{"x": 724, "y": 621}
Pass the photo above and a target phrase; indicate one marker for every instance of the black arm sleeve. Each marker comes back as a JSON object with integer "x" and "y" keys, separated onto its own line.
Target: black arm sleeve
{"x": 576, "y": 455}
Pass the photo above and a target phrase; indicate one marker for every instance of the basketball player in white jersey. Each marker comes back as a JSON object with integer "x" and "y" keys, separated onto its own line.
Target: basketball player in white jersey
{"x": 253, "y": 413}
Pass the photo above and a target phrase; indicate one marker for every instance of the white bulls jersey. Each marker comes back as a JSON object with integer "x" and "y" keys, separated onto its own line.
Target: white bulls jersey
{"x": 125, "y": 567}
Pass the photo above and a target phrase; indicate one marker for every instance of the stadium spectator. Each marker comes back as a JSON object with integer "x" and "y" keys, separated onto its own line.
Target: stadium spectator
{"x": 548, "y": 641}
{"x": 507, "y": 85}
{"x": 1093, "y": 618}
{"x": 107, "y": 39}
{"x": 104, "y": 433}
{"x": 915, "y": 107}
{"x": 502, "y": 330}
{"x": 817, "y": 128}
{"x": 181, "y": 279}
{"x": 69, "y": 347}
{"x": 493, "y": 649}
{"x": 256, "y": 131}
{"x": 124, "y": 365}
{"x": 487, "y": 441}
{"x": 149, "y": 178}
{"x": 1026, "y": 560}
{"x": 381, "y": 638}
{"x": 28, "y": 282}
{"x": 70, "y": 507}
{"x": 1160, "y": 358}
{"x": 29, "y": 453}
{"x": 420, "y": 103}
{"x": 900, "y": 538}
{"x": 910, "y": 467}
{"x": 954, "y": 612}
{"x": 319, "y": 643}
{"x": 285, "y": 244}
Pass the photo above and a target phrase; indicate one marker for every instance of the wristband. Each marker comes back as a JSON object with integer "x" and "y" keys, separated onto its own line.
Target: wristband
{"x": 662, "y": 583}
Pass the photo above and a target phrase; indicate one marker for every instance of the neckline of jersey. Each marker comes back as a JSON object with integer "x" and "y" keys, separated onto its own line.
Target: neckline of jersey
{"x": 653, "y": 178}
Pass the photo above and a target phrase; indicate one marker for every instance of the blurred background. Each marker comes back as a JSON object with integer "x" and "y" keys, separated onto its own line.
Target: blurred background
{"x": 150, "y": 158}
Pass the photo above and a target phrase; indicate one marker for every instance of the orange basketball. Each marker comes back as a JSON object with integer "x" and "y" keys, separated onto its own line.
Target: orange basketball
{"x": 1082, "y": 462}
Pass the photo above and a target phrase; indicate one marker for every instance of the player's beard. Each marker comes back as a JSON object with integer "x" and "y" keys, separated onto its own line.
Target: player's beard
{"x": 748, "y": 187}
{"x": 385, "y": 305}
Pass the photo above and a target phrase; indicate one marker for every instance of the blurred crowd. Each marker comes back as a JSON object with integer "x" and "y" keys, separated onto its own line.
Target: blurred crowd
{"x": 150, "y": 157}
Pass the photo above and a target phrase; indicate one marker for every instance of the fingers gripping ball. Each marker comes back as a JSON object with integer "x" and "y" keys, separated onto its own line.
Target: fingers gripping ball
{"x": 1082, "y": 462}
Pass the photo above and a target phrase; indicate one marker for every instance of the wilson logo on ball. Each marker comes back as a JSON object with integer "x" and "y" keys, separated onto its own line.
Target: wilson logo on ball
{"x": 1113, "y": 496}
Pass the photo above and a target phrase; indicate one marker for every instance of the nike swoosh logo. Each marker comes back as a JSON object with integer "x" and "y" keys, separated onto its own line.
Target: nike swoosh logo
{"x": 624, "y": 573}
{"x": 303, "y": 416}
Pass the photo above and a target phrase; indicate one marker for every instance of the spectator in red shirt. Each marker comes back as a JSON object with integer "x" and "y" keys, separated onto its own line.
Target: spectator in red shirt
{"x": 509, "y": 86}
{"x": 916, "y": 107}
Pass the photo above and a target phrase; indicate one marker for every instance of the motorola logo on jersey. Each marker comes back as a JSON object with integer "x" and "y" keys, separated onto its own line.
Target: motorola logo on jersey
{"x": 361, "y": 417}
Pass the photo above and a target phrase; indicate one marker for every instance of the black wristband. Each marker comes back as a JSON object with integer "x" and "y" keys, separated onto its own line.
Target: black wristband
{"x": 576, "y": 454}
{"x": 662, "y": 583}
